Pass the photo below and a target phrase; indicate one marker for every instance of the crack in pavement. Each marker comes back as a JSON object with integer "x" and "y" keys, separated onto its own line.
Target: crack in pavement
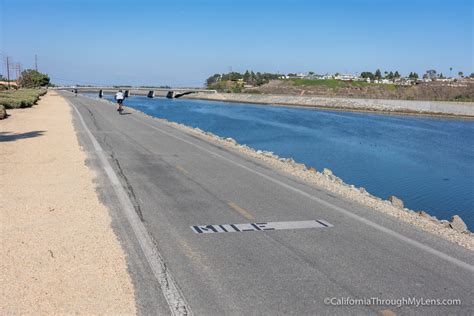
{"x": 130, "y": 192}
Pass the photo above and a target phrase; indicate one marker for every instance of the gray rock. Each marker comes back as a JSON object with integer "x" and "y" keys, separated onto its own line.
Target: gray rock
{"x": 424, "y": 214}
{"x": 445, "y": 223}
{"x": 396, "y": 201}
{"x": 327, "y": 172}
{"x": 458, "y": 224}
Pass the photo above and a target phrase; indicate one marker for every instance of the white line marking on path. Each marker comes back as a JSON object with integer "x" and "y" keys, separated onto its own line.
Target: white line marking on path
{"x": 171, "y": 292}
{"x": 376, "y": 226}
{"x": 258, "y": 227}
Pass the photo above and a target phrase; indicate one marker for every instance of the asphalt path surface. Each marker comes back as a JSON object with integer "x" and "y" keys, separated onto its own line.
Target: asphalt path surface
{"x": 307, "y": 252}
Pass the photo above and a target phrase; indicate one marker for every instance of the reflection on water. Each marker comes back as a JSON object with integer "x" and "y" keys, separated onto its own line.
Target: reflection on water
{"x": 428, "y": 162}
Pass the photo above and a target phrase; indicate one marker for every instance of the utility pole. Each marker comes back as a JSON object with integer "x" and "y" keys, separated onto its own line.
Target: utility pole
{"x": 18, "y": 67}
{"x": 8, "y": 72}
{"x": 36, "y": 62}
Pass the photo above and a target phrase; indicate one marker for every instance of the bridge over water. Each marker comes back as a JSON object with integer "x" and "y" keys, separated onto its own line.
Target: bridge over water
{"x": 150, "y": 92}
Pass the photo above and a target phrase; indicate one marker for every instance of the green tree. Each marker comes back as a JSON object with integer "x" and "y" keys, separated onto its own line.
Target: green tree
{"x": 460, "y": 74}
{"x": 367, "y": 74}
{"x": 259, "y": 79}
{"x": 247, "y": 77}
{"x": 472, "y": 75}
{"x": 30, "y": 78}
{"x": 396, "y": 74}
{"x": 431, "y": 74}
{"x": 378, "y": 74}
{"x": 213, "y": 79}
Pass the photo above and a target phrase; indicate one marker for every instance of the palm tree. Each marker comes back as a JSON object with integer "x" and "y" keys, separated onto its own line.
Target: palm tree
{"x": 460, "y": 74}
{"x": 450, "y": 71}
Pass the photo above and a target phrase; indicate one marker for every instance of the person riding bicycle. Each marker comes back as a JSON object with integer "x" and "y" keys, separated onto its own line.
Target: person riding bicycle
{"x": 119, "y": 96}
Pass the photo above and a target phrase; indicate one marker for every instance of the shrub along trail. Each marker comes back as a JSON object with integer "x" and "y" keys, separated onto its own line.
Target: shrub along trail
{"x": 23, "y": 98}
{"x": 59, "y": 253}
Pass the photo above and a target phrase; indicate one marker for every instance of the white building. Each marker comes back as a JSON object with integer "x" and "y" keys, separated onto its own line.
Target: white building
{"x": 345, "y": 77}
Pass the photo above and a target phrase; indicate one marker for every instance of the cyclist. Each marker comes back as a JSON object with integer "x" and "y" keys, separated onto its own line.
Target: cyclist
{"x": 119, "y": 96}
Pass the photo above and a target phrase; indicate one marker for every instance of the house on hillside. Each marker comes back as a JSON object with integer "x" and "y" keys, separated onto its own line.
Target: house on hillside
{"x": 345, "y": 77}
{"x": 295, "y": 75}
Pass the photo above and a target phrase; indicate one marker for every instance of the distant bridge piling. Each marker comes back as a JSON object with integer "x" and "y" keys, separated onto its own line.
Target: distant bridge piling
{"x": 170, "y": 94}
{"x": 151, "y": 94}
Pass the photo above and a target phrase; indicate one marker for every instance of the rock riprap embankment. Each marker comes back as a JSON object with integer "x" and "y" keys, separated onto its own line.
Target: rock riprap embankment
{"x": 458, "y": 224}
{"x": 396, "y": 201}
{"x": 443, "y": 108}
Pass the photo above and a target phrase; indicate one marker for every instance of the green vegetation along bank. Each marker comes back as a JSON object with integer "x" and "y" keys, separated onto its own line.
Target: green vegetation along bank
{"x": 22, "y": 98}
{"x": 3, "y": 112}
{"x": 433, "y": 91}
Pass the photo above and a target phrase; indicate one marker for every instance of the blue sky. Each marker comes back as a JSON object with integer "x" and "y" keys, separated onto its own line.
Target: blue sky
{"x": 182, "y": 42}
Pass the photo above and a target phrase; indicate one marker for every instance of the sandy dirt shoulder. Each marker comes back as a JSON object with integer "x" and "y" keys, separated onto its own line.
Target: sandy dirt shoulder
{"x": 58, "y": 251}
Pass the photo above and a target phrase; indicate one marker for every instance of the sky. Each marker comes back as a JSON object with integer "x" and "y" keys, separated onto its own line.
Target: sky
{"x": 182, "y": 42}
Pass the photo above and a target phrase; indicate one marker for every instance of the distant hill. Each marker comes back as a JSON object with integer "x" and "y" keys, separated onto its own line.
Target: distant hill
{"x": 460, "y": 91}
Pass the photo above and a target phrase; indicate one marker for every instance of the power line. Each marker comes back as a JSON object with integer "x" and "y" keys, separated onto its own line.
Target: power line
{"x": 79, "y": 82}
{"x": 18, "y": 69}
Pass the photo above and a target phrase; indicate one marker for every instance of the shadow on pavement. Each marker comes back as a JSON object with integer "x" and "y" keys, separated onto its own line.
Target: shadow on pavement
{"x": 11, "y": 137}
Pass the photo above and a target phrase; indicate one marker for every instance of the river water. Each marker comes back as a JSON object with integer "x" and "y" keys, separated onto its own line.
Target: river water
{"x": 427, "y": 162}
